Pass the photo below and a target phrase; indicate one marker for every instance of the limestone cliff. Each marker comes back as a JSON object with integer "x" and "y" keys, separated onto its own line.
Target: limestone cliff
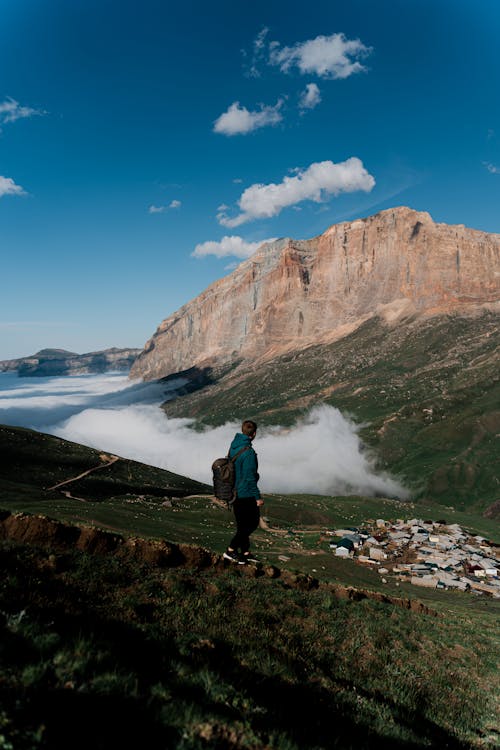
{"x": 291, "y": 294}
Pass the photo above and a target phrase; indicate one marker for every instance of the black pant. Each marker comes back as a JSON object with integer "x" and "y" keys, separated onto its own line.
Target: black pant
{"x": 247, "y": 516}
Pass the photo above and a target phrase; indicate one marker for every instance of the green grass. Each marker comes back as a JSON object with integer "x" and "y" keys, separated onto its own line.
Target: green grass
{"x": 211, "y": 659}
{"x": 107, "y": 652}
{"x": 384, "y": 378}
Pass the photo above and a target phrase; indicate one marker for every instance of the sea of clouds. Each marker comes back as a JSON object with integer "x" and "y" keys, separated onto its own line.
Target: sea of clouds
{"x": 321, "y": 454}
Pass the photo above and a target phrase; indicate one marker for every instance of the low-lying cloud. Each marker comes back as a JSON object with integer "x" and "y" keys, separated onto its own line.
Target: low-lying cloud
{"x": 319, "y": 180}
{"x": 321, "y": 454}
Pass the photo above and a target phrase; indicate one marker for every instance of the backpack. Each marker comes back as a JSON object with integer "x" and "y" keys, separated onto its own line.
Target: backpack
{"x": 224, "y": 477}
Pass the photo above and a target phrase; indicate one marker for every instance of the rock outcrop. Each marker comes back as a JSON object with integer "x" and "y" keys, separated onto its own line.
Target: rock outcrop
{"x": 49, "y": 362}
{"x": 290, "y": 294}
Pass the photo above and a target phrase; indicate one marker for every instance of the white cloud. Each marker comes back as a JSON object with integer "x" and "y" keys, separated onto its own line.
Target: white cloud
{"x": 237, "y": 180}
{"x": 162, "y": 209}
{"x": 332, "y": 56}
{"x": 228, "y": 246}
{"x": 492, "y": 168}
{"x": 9, "y": 187}
{"x": 258, "y": 54}
{"x": 316, "y": 182}
{"x": 111, "y": 413}
{"x": 310, "y": 97}
{"x": 10, "y": 111}
{"x": 239, "y": 120}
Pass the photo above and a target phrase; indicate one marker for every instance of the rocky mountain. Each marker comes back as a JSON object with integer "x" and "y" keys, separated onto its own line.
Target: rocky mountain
{"x": 290, "y": 294}
{"x": 49, "y": 362}
{"x": 392, "y": 319}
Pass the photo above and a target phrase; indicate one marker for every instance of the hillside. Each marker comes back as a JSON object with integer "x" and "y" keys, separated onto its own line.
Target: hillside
{"x": 123, "y": 616}
{"x": 426, "y": 393}
{"x": 393, "y": 319}
{"x": 54, "y": 362}
{"x": 34, "y": 462}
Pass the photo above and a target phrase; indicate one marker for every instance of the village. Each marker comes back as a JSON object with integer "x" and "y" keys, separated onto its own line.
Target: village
{"x": 424, "y": 553}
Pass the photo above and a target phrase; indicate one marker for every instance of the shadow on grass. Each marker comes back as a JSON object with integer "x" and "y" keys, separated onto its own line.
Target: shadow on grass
{"x": 80, "y": 709}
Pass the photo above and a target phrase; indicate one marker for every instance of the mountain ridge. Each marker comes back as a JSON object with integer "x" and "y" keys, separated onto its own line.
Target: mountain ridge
{"x": 54, "y": 362}
{"x": 397, "y": 264}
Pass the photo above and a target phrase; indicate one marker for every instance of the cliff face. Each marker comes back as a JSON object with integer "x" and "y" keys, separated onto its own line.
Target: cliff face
{"x": 53, "y": 362}
{"x": 291, "y": 294}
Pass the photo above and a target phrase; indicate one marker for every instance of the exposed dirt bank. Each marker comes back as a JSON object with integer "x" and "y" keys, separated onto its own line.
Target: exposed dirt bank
{"x": 39, "y": 530}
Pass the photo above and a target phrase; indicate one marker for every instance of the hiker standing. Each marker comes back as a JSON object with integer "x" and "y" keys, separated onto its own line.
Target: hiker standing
{"x": 248, "y": 500}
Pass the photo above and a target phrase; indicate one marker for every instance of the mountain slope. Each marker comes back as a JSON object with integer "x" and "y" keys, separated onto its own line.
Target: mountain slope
{"x": 34, "y": 464}
{"x": 392, "y": 319}
{"x": 426, "y": 392}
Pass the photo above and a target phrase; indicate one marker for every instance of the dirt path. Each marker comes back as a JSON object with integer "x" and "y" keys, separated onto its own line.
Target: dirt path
{"x": 108, "y": 461}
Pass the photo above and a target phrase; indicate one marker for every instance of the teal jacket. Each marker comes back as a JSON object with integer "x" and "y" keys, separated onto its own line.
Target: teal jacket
{"x": 245, "y": 467}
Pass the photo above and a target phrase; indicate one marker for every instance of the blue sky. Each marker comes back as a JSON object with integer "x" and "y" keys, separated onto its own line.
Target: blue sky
{"x": 133, "y": 133}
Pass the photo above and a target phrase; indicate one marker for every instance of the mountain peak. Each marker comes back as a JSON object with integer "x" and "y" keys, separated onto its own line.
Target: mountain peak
{"x": 294, "y": 293}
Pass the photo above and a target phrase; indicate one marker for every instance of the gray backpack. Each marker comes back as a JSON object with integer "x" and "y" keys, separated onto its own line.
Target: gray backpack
{"x": 224, "y": 477}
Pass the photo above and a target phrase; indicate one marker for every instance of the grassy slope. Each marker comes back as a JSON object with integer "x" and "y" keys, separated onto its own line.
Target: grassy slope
{"x": 192, "y": 659}
{"x": 33, "y": 461}
{"x": 385, "y": 378}
{"x": 184, "y": 659}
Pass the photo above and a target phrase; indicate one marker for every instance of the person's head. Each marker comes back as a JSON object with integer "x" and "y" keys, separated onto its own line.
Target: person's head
{"x": 249, "y": 428}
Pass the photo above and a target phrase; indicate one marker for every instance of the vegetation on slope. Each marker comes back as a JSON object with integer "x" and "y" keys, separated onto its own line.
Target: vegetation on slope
{"x": 33, "y": 463}
{"x": 111, "y": 651}
{"x": 114, "y": 653}
{"x": 427, "y": 395}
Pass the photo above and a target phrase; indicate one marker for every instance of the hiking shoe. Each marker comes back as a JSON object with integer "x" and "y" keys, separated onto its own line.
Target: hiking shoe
{"x": 233, "y": 556}
{"x": 248, "y": 557}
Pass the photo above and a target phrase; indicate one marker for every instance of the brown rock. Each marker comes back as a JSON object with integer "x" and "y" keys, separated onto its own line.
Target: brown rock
{"x": 290, "y": 294}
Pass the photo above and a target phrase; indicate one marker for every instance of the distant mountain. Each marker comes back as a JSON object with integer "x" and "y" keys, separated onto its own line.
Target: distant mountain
{"x": 48, "y": 362}
{"x": 393, "y": 319}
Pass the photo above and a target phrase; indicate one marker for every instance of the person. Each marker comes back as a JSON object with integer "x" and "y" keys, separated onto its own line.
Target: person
{"x": 248, "y": 498}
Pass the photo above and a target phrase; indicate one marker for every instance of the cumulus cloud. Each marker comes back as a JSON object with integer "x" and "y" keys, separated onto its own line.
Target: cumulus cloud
{"x": 310, "y": 97}
{"x": 492, "y": 168}
{"x": 321, "y": 454}
{"x": 162, "y": 209}
{"x": 239, "y": 120}
{"x": 10, "y": 111}
{"x": 228, "y": 246}
{"x": 9, "y": 187}
{"x": 316, "y": 182}
{"x": 332, "y": 56}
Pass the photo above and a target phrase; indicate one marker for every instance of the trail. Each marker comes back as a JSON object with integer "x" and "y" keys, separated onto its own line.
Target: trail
{"x": 109, "y": 460}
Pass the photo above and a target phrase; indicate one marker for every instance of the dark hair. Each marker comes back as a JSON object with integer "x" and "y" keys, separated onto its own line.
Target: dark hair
{"x": 249, "y": 427}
